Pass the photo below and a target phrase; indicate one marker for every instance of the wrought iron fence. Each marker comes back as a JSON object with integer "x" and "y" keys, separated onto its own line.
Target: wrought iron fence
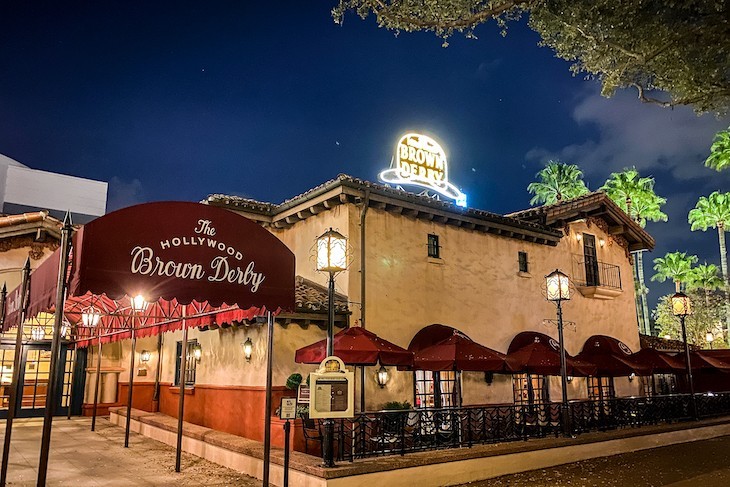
{"x": 400, "y": 432}
{"x": 588, "y": 271}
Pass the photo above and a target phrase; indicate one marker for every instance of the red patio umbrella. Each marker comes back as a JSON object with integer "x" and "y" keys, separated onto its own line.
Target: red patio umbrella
{"x": 357, "y": 346}
{"x": 611, "y": 357}
{"x": 659, "y": 362}
{"x": 540, "y": 358}
{"x": 458, "y": 352}
{"x": 702, "y": 361}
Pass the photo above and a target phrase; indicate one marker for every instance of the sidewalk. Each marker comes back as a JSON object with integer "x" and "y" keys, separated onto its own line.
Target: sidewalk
{"x": 79, "y": 457}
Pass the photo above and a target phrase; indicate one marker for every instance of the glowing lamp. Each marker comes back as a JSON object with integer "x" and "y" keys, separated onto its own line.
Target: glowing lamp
{"x": 144, "y": 356}
{"x": 710, "y": 337}
{"x": 90, "y": 317}
{"x": 681, "y": 304}
{"x": 558, "y": 286}
{"x": 569, "y": 378}
{"x": 197, "y": 351}
{"x": 332, "y": 252}
{"x": 382, "y": 376}
{"x": 38, "y": 333}
{"x": 632, "y": 376}
{"x": 138, "y": 303}
{"x": 247, "y": 349}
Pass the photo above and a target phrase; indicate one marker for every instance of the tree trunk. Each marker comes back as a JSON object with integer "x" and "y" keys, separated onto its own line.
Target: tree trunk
{"x": 637, "y": 297}
{"x": 644, "y": 305}
{"x": 723, "y": 266}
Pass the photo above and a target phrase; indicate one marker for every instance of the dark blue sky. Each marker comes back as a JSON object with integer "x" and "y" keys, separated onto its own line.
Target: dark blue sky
{"x": 177, "y": 100}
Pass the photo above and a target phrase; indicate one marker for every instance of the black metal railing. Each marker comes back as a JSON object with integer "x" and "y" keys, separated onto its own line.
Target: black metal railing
{"x": 588, "y": 271}
{"x": 401, "y": 432}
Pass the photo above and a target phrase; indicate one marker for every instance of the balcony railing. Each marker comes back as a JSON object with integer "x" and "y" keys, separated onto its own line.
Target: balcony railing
{"x": 590, "y": 272}
{"x": 401, "y": 432}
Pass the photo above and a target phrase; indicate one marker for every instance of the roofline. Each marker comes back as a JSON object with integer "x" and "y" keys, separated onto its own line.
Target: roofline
{"x": 347, "y": 189}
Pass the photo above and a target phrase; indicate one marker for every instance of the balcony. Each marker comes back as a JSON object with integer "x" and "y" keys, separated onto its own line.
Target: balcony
{"x": 596, "y": 279}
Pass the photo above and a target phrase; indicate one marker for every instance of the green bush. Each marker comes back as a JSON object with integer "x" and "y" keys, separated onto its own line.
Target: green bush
{"x": 293, "y": 381}
{"x": 396, "y": 406}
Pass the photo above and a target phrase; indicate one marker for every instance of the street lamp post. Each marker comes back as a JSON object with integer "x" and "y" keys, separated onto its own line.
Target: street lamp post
{"x": 331, "y": 258}
{"x": 682, "y": 307}
{"x": 558, "y": 290}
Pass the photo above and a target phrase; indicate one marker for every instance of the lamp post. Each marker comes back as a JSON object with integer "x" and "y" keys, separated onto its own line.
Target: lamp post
{"x": 90, "y": 318}
{"x": 138, "y": 305}
{"x": 682, "y": 307}
{"x": 331, "y": 258}
{"x": 558, "y": 290}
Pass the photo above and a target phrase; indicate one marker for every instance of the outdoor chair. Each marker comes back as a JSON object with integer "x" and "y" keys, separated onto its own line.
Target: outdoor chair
{"x": 311, "y": 431}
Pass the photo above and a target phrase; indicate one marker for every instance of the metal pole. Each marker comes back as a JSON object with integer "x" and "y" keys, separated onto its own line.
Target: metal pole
{"x": 131, "y": 387}
{"x": 267, "y": 407}
{"x": 98, "y": 377}
{"x": 3, "y": 299}
{"x": 181, "y": 399}
{"x": 52, "y": 388}
{"x": 328, "y": 443}
{"x": 158, "y": 370}
{"x": 287, "y": 428}
{"x": 362, "y": 389}
{"x": 689, "y": 369}
{"x": 565, "y": 413}
{"x": 14, "y": 389}
{"x": 71, "y": 382}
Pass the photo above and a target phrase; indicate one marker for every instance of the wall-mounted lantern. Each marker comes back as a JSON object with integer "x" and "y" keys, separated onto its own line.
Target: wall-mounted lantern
{"x": 144, "y": 356}
{"x": 248, "y": 349}
{"x": 38, "y": 333}
{"x": 382, "y": 376}
{"x": 138, "y": 303}
{"x": 197, "y": 351}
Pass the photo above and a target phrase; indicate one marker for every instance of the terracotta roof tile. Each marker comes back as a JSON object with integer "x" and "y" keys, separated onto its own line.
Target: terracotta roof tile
{"x": 310, "y": 296}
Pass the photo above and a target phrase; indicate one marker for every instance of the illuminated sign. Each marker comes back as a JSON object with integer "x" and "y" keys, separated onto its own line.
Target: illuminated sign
{"x": 421, "y": 161}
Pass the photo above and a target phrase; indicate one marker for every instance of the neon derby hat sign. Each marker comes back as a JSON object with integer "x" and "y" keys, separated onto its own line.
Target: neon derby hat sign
{"x": 421, "y": 161}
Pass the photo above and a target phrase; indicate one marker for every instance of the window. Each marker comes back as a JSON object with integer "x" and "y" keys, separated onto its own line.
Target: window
{"x": 591, "y": 260}
{"x": 436, "y": 389}
{"x": 530, "y": 389}
{"x": 434, "y": 249}
{"x": 522, "y": 259}
{"x": 600, "y": 388}
{"x": 190, "y": 364}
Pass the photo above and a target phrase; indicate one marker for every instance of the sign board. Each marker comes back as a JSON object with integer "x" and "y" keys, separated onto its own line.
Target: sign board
{"x": 288, "y": 408}
{"x": 421, "y": 161}
{"x": 303, "y": 394}
{"x": 332, "y": 392}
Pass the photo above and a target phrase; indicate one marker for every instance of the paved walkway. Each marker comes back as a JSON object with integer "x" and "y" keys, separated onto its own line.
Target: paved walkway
{"x": 704, "y": 463}
{"x": 79, "y": 457}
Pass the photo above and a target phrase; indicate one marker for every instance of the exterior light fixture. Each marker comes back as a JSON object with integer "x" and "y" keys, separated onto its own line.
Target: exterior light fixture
{"x": 144, "y": 356}
{"x": 558, "y": 286}
{"x": 247, "y": 349}
{"x": 579, "y": 236}
{"x": 489, "y": 378}
{"x": 632, "y": 376}
{"x": 667, "y": 337}
{"x": 38, "y": 333}
{"x": 331, "y": 252}
{"x": 197, "y": 351}
{"x": 682, "y": 307}
{"x": 382, "y": 376}
{"x": 138, "y": 303}
{"x": 569, "y": 378}
{"x": 90, "y": 317}
{"x": 710, "y": 338}
{"x": 601, "y": 242}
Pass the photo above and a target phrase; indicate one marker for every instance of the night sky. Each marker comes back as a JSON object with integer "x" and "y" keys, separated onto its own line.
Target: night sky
{"x": 178, "y": 100}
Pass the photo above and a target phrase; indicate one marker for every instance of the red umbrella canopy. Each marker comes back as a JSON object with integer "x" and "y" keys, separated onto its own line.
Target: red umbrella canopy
{"x": 357, "y": 346}
{"x": 659, "y": 362}
{"x": 458, "y": 352}
{"x": 702, "y": 361}
{"x": 541, "y": 355}
{"x": 611, "y": 356}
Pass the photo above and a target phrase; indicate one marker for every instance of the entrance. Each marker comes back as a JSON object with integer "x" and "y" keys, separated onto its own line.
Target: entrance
{"x": 34, "y": 376}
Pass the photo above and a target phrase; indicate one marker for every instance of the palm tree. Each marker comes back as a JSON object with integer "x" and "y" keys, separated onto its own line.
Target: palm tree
{"x": 635, "y": 195}
{"x": 675, "y": 266}
{"x": 714, "y": 211}
{"x": 705, "y": 277}
{"x": 557, "y": 182}
{"x": 719, "y": 158}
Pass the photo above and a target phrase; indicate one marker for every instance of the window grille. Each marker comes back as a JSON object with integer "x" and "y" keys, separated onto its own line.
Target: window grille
{"x": 434, "y": 249}
{"x": 190, "y": 363}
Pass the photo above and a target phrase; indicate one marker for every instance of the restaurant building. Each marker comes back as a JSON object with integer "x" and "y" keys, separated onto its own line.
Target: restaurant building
{"x": 416, "y": 261}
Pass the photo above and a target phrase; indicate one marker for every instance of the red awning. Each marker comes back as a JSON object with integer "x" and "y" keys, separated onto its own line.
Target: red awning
{"x": 458, "y": 352}
{"x": 431, "y": 335}
{"x": 537, "y": 353}
{"x": 357, "y": 346}
{"x": 703, "y": 361}
{"x": 611, "y": 357}
{"x": 187, "y": 258}
{"x": 659, "y": 362}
